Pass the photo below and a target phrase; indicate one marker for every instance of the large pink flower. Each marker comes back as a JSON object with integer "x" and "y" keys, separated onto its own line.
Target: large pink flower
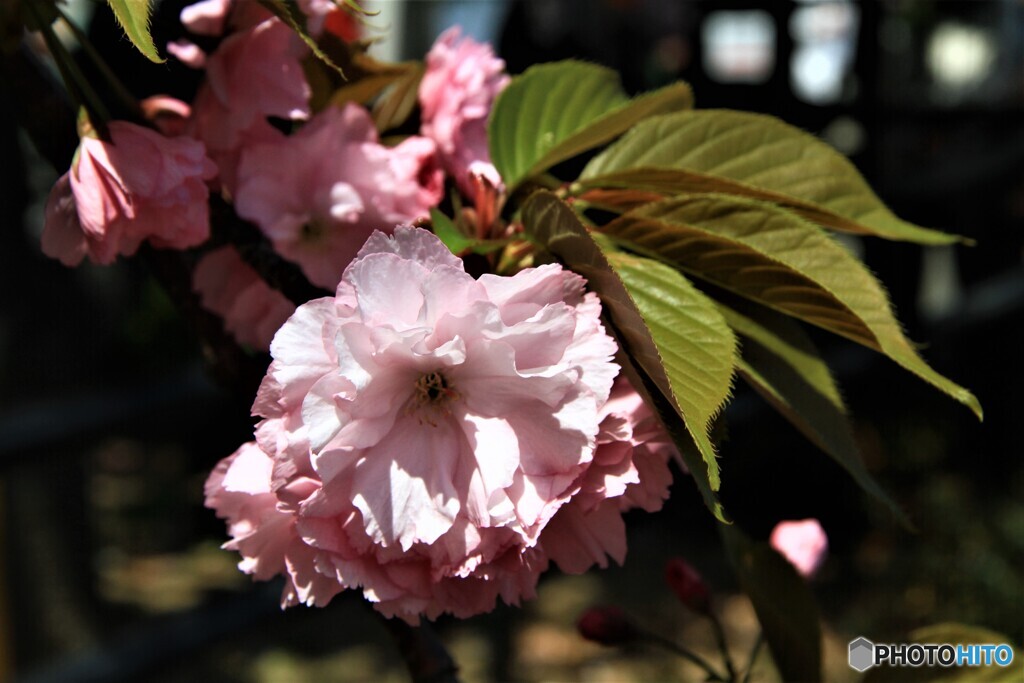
{"x": 139, "y": 186}
{"x": 422, "y": 428}
{"x": 462, "y": 80}
{"x": 319, "y": 194}
{"x": 228, "y": 286}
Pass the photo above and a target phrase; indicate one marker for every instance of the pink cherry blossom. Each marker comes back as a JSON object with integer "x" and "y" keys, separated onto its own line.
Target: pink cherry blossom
{"x": 629, "y": 470}
{"x": 320, "y": 193}
{"x": 229, "y": 287}
{"x": 803, "y": 543}
{"x": 206, "y": 18}
{"x": 255, "y": 73}
{"x": 462, "y": 79}
{"x": 139, "y": 186}
{"x": 213, "y": 18}
{"x": 422, "y": 428}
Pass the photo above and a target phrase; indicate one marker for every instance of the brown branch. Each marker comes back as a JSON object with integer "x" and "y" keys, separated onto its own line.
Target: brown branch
{"x": 425, "y": 655}
{"x": 282, "y": 275}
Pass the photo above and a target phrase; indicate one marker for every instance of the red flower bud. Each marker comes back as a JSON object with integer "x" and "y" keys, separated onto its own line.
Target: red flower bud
{"x": 688, "y": 585}
{"x": 606, "y": 625}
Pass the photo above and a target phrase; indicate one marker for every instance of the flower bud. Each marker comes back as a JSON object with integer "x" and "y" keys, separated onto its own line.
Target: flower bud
{"x": 606, "y": 625}
{"x": 688, "y": 585}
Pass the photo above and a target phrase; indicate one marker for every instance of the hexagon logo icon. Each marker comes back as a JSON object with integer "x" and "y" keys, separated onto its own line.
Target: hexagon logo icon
{"x": 862, "y": 654}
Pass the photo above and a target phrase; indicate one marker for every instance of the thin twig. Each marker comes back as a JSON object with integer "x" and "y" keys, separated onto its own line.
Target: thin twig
{"x": 687, "y": 654}
{"x": 425, "y": 655}
{"x": 76, "y": 82}
{"x": 754, "y": 651}
{"x": 723, "y": 645}
{"x": 127, "y": 101}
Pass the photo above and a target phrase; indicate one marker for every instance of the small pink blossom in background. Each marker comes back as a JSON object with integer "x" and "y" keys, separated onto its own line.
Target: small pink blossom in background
{"x": 422, "y": 431}
{"x": 606, "y": 625}
{"x": 255, "y": 73}
{"x": 689, "y": 586}
{"x": 320, "y": 193}
{"x": 140, "y": 186}
{"x": 462, "y": 80}
{"x": 206, "y": 18}
{"x": 803, "y": 543}
{"x": 213, "y": 18}
{"x": 188, "y": 53}
{"x": 252, "y": 310}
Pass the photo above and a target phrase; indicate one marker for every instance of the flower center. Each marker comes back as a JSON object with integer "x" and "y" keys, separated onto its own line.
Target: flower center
{"x": 430, "y": 401}
{"x": 434, "y": 390}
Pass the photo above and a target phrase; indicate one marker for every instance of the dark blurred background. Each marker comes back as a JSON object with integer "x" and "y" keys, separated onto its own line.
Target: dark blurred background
{"x": 109, "y": 564}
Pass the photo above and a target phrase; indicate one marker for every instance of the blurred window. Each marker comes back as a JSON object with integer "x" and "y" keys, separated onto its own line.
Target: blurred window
{"x": 739, "y": 47}
{"x": 824, "y": 44}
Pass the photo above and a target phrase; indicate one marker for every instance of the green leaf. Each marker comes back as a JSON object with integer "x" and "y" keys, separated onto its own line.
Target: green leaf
{"x": 396, "y": 104}
{"x": 551, "y": 223}
{"x": 783, "y": 603}
{"x": 953, "y": 634}
{"x": 553, "y": 112}
{"x": 696, "y": 347}
{"x": 782, "y": 364}
{"x": 355, "y": 7}
{"x": 775, "y": 258}
{"x": 290, "y": 13}
{"x": 446, "y": 231}
{"x": 755, "y": 156}
{"x": 134, "y": 15}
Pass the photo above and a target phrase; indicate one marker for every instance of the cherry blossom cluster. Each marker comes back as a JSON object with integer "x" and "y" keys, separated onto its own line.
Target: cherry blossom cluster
{"x": 316, "y": 193}
{"x": 432, "y": 439}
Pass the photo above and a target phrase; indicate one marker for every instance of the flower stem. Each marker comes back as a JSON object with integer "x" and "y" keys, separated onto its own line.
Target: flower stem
{"x": 425, "y": 656}
{"x": 723, "y": 645}
{"x": 753, "y": 656}
{"x": 687, "y": 654}
{"x": 75, "y": 81}
{"x": 127, "y": 101}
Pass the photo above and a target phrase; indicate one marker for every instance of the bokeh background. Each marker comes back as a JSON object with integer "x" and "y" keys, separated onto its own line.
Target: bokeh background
{"x": 110, "y": 567}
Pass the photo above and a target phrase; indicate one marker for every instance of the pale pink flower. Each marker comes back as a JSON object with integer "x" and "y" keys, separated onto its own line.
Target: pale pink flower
{"x": 228, "y": 286}
{"x": 629, "y": 470}
{"x": 212, "y": 18}
{"x": 239, "y": 489}
{"x": 462, "y": 80}
{"x": 422, "y": 428}
{"x": 139, "y": 186}
{"x": 803, "y": 543}
{"x": 255, "y": 73}
{"x": 320, "y": 193}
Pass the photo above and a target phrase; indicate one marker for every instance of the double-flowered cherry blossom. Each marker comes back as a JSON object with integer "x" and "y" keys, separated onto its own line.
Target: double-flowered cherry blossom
{"x": 433, "y": 439}
{"x": 320, "y": 193}
{"x": 138, "y": 186}
{"x": 462, "y": 80}
{"x": 255, "y": 73}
